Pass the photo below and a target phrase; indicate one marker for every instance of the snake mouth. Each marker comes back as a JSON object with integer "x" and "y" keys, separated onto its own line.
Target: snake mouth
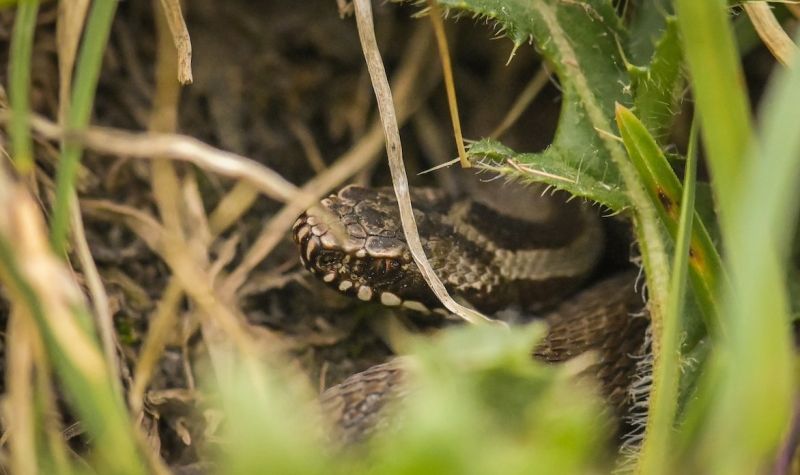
{"x": 307, "y": 232}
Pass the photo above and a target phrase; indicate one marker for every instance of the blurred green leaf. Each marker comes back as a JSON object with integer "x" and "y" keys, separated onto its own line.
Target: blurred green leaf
{"x": 270, "y": 421}
{"x": 719, "y": 92}
{"x": 482, "y": 404}
{"x": 478, "y": 403}
{"x": 757, "y": 375}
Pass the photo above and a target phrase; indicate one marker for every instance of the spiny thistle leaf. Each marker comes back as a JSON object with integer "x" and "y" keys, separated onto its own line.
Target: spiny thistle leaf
{"x": 577, "y": 160}
{"x": 658, "y": 87}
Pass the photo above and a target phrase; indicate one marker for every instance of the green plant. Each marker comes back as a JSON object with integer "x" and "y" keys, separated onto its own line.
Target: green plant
{"x": 723, "y": 371}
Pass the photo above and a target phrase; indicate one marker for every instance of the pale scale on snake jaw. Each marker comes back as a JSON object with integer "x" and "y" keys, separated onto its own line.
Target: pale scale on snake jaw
{"x": 492, "y": 250}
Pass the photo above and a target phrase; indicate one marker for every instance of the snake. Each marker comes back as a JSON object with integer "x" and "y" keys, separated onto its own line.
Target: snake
{"x": 497, "y": 247}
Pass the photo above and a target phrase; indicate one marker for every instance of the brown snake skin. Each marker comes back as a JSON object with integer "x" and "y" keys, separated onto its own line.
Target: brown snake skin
{"x": 486, "y": 252}
{"x": 597, "y": 319}
{"x": 486, "y": 255}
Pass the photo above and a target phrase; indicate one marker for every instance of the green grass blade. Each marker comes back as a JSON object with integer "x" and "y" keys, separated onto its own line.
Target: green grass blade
{"x": 657, "y": 451}
{"x": 86, "y": 75}
{"x": 19, "y": 85}
{"x": 757, "y": 377}
{"x": 719, "y": 91}
{"x": 752, "y": 373}
{"x": 97, "y": 402}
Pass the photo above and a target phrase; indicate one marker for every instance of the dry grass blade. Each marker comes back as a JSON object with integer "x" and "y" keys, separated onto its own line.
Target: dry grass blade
{"x": 383, "y": 96}
{"x": 162, "y": 322}
{"x": 173, "y": 146}
{"x": 97, "y": 291}
{"x": 71, "y": 16}
{"x": 447, "y": 68}
{"x": 163, "y": 119}
{"x": 180, "y": 37}
{"x": 56, "y": 288}
{"x": 18, "y": 409}
{"x": 771, "y": 32}
{"x": 306, "y": 139}
{"x": 145, "y": 226}
{"x": 231, "y": 207}
{"x": 187, "y": 255}
{"x": 794, "y": 7}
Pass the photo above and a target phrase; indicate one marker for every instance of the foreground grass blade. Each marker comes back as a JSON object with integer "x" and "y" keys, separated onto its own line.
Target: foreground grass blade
{"x": 719, "y": 91}
{"x": 658, "y": 449}
{"x": 757, "y": 378}
{"x": 19, "y": 85}
{"x": 38, "y": 283}
{"x": 86, "y": 76}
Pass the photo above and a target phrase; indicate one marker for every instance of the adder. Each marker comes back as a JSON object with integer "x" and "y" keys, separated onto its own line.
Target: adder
{"x": 496, "y": 247}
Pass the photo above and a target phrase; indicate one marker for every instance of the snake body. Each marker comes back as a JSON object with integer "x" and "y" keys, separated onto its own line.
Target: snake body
{"x": 493, "y": 250}
{"x": 491, "y": 254}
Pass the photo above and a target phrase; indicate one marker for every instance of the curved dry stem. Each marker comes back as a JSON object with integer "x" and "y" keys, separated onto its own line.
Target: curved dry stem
{"x": 391, "y": 130}
{"x": 771, "y": 32}
{"x": 180, "y": 37}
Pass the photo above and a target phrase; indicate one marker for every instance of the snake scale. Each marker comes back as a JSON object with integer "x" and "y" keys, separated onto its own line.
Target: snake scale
{"x": 497, "y": 247}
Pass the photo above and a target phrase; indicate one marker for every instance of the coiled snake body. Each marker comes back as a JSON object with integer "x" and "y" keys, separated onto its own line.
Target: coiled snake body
{"x": 501, "y": 247}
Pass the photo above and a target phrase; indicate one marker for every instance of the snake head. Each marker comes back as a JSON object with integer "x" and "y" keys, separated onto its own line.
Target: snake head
{"x": 354, "y": 243}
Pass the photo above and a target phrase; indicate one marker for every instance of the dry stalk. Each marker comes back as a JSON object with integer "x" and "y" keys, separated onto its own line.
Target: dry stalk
{"x": 771, "y": 32}
{"x": 180, "y": 38}
{"x": 157, "y": 146}
{"x": 447, "y": 68}
{"x": 97, "y": 291}
{"x": 18, "y": 409}
{"x": 69, "y": 27}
